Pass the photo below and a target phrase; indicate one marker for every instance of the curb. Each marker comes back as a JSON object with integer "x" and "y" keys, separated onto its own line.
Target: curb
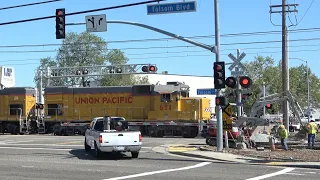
{"x": 258, "y": 162}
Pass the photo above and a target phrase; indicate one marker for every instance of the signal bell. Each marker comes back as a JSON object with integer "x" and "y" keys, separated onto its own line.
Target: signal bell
{"x": 149, "y": 68}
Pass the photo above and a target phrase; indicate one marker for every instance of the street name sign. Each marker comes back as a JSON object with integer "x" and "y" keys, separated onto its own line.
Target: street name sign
{"x": 168, "y": 8}
{"x": 208, "y": 91}
{"x": 96, "y": 23}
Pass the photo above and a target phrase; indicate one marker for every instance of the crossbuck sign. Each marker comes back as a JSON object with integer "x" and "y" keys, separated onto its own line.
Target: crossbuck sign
{"x": 237, "y": 64}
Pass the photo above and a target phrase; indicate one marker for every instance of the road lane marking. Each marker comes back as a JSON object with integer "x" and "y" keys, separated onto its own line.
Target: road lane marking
{"x": 296, "y": 174}
{"x": 283, "y": 171}
{"x": 25, "y": 148}
{"x": 161, "y": 171}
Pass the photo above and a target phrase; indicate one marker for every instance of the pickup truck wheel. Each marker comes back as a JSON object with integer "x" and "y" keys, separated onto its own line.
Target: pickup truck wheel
{"x": 97, "y": 152}
{"x": 135, "y": 154}
{"x": 87, "y": 148}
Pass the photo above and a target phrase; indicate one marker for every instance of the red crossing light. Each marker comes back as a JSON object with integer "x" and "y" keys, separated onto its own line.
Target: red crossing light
{"x": 269, "y": 106}
{"x": 245, "y": 82}
{"x": 231, "y": 82}
{"x": 149, "y": 68}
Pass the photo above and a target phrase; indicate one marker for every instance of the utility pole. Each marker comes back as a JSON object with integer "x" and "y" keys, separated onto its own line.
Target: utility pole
{"x": 285, "y": 68}
{"x": 238, "y": 90}
{"x": 218, "y": 91}
{"x": 264, "y": 95}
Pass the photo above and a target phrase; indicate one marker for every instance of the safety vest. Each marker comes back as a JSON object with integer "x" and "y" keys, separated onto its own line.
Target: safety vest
{"x": 283, "y": 133}
{"x": 312, "y": 128}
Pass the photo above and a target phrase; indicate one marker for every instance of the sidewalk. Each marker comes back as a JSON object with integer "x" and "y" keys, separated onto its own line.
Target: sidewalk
{"x": 200, "y": 152}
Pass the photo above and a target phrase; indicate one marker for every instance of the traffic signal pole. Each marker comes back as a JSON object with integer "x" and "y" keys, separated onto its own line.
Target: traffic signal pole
{"x": 218, "y": 91}
{"x": 238, "y": 91}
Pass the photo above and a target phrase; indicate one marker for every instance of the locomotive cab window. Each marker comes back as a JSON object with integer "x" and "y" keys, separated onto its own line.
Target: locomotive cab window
{"x": 55, "y": 109}
{"x": 16, "y": 109}
{"x": 166, "y": 97}
{"x": 184, "y": 94}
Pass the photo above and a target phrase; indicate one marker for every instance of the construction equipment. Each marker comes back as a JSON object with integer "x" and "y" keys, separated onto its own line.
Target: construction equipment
{"x": 250, "y": 125}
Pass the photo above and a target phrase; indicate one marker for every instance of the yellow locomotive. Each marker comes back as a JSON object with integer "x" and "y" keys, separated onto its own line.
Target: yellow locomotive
{"x": 68, "y": 110}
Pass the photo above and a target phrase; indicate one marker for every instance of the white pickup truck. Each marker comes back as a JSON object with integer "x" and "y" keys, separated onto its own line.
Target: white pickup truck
{"x": 101, "y": 140}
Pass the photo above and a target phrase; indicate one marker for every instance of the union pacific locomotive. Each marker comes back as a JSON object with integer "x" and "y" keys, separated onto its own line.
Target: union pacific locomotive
{"x": 69, "y": 110}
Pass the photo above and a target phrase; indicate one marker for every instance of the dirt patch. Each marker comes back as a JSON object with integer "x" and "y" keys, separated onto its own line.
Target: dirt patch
{"x": 292, "y": 155}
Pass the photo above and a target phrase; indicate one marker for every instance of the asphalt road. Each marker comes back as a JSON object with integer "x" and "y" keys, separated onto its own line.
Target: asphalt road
{"x": 63, "y": 158}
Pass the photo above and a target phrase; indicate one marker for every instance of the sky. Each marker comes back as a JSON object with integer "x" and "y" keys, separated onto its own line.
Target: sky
{"x": 176, "y": 57}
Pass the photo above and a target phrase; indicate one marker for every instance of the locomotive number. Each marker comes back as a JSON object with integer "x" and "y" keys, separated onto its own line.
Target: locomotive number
{"x": 165, "y": 107}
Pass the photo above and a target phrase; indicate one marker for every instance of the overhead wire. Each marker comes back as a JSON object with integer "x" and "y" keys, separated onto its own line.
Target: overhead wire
{"x": 30, "y": 4}
{"x": 163, "y": 57}
{"x": 304, "y": 14}
{"x": 307, "y": 30}
{"x": 82, "y": 12}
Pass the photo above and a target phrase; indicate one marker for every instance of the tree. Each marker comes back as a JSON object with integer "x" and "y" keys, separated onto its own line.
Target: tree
{"x": 263, "y": 69}
{"x": 86, "y": 49}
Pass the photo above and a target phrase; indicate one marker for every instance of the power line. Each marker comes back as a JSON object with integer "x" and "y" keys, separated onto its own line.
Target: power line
{"x": 31, "y": 4}
{"x": 165, "y": 39}
{"x": 82, "y": 12}
{"x": 162, "y": 47}
{"x": 163, "y": 57}
{"x": 305, "y": 13}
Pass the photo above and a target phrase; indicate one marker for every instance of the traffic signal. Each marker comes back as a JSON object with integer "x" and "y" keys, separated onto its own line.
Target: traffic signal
{"x": 149, "y": 68}
{"x": 245, "y": 82}
{"x": 219, "y": 75}
{"x": 269, "y": 106}
{"x": 60, "y": 23}
{"x": 221, "y": 101}
{"x": 231, "y": 82}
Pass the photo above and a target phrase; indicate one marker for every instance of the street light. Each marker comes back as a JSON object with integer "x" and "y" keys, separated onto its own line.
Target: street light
{"x": 308, "y": 85}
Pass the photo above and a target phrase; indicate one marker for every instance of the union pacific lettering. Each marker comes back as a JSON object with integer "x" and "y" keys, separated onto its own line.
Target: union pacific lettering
{"x": 103, "y": 100}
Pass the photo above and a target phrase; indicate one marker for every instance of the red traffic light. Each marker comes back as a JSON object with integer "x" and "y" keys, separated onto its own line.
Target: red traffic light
{"x": 245, "y": 82}
{"x": 59, "y": 13}
{"x": 221, "y": 101}
{"x": 218, "y": 67}
{"x": 231, "y": 82}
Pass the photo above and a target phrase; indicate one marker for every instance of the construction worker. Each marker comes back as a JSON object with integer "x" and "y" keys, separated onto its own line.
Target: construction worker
{"x": 283, "y": 133}
{"x": 312, "y": 131}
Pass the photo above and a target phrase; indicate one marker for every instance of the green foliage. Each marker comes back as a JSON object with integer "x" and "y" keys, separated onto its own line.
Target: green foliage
{"x": 86, "y": 49}
{"x": 263, "y": 69}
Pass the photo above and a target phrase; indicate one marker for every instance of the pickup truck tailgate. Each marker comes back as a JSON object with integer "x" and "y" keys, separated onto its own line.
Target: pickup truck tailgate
{"x": 121, "y": 139}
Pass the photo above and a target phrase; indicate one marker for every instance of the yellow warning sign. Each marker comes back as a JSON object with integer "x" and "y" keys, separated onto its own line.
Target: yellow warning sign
{"x": 227, "y": 118}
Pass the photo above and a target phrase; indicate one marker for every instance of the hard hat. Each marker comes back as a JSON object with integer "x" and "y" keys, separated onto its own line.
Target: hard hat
{"x": 282, "y": 126}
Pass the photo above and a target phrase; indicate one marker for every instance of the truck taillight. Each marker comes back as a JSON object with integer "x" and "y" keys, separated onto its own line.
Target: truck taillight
{"x": 100, "y": 139}
{"x": 140, "y": 138}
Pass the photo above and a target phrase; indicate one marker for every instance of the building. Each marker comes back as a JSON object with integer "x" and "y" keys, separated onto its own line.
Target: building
{"x": 195, "y": 82}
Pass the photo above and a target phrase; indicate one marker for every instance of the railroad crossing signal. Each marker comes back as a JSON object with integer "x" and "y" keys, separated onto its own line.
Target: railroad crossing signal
{"x": 231, "y": 82}
{"x": 269, "y": 106}
{"x": 219, "y": 75}
{"x": 267, "y": 90}
{"x": 60, "y": 23}
{"x": 237, "y": 64}
{"x": 245, "y": 82}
